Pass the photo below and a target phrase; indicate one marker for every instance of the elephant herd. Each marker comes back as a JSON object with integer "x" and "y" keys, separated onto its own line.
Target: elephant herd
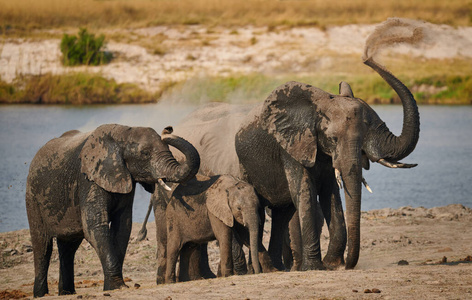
{"x": 293, "y": 154}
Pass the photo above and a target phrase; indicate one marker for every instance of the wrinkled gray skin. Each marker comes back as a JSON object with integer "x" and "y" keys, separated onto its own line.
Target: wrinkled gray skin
{"x": 209, "y": 208}
{"x": 81, "y": 185}
{"x": 290, "y": 146}
{"x": 212, "y": 130}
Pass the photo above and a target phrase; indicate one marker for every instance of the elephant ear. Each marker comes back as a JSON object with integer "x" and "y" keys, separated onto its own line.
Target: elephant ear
{"x": 102, "y": 162}
{"x": 289, "y": 114}
{"x": 218, "y": 204}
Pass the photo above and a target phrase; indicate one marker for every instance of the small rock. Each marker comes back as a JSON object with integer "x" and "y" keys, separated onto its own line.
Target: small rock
{"x": 355, "y": 291}
{"x": 137, "y": 285}
{"x": 403, "y": 263}
{"x": 107, "y": 295}
{"x": 80, "y": 297}
{"x": 444, "y": 260}
{"x": 377, "y": 291}
{"x": 367, "y": 291}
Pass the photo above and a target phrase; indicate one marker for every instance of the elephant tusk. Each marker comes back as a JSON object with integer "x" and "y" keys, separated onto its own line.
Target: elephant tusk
{"x": 395, "y": 165}
{"x": 366, "y": 185}
{"x": 164, "y": 185}
{"x": 337, "y": 174}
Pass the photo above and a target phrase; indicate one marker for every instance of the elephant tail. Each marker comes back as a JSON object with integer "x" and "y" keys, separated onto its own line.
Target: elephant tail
{"x": 143, "y": 232}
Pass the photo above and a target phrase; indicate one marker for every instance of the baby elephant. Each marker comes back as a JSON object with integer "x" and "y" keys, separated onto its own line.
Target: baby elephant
{"x": 81, "y": 185}
{"x": 204, "y": 210}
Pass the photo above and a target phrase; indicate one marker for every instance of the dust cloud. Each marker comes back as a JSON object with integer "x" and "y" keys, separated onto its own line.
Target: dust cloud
{"x": 396, "y": 31}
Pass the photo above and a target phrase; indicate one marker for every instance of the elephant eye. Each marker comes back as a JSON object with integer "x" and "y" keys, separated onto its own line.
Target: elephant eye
{"x": 146, "y": 153}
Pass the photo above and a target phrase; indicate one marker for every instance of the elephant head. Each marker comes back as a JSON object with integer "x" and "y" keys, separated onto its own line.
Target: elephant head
{"x": 114, "y": 156}
{"x": 229, "y": 199}
{"x": 308, "y": 122}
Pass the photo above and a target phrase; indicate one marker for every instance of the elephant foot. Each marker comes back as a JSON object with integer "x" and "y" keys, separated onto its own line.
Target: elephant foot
{"x": 114, "y": 283}
{"x": 160, "y": 280}
{"x": 40, "y": 293}
{"x": 67, "y": 292}
{"x": 333, "y": 262}
{"x": 313, "y": 265}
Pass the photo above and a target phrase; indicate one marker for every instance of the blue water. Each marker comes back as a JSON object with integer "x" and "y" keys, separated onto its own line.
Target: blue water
{"x": 443, "y": 153}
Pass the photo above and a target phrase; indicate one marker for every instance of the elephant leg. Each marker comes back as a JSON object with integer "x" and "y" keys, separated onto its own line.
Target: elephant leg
{"x": 287, "y": 256}
{"x": 239, "y": 257}
{"x": 161, "y": 239}
{"x": 224, "y": 235}
{"x": 205, "y": 270}
{"x": 42, "y": 250}
{"x": 330, "y": 201}
{"x": 304, "y": 197}
{"x": 67, "y": 251}
{"x": 97, "y": 232}
{"x": 295, "y": 242}
{"x": 280, "y": 218}
{"x": 174, "y": 246}
{"x": 121, "y": 222}
{"x": 189, "y": 264}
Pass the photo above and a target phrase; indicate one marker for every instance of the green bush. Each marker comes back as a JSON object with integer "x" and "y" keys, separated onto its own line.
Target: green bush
{"x": 84, "y": 49}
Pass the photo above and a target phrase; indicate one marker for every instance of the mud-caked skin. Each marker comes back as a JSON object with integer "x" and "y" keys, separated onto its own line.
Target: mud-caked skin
{"x": 303, "y": 143}
{"x": 209, "y": 208}
{"x": 81, "y": 185}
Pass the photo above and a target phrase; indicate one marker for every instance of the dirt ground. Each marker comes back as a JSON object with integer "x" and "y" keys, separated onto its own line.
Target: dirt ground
{"x": 406, "y": 253}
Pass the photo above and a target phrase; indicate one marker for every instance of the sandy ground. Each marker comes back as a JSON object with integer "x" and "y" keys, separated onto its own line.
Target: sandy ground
{"x": 434, "y": 244}
{"x": 154, "y": 57}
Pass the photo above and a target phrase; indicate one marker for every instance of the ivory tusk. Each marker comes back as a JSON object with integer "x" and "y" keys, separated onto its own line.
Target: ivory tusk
{"x": 338, "y": 178}
{"x": 164, "y": 185}
{"x": 366, "y": 185}
{"x": 395, "y": 165}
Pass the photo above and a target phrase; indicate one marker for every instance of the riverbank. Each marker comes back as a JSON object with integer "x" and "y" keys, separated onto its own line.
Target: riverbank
{"x": 201, "y": 63}
{"x": 406, "y": 253}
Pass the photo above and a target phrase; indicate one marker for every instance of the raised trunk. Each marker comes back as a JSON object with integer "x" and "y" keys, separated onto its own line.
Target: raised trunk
{"x": 387, "y": 145}
{"x": 181, "y": 172}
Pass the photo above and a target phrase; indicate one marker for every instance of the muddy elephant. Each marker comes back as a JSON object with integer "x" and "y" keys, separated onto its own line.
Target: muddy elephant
{"x": 82, "y": 185}
{"x": 209, "y": 208}
{"x": 303, "y": 142}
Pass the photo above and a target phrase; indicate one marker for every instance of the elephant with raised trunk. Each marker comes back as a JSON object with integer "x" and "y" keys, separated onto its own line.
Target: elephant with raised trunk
{"x": 303, "y": 142}
{"x": 82, "y": 185}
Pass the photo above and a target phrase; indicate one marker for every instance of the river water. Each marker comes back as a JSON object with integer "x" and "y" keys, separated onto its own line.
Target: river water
{"x": 443, "y": 175}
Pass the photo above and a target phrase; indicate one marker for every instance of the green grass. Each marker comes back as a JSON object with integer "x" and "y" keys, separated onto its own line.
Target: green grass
{"x": 371, "y": 88}
{"x": 76, "y": 88}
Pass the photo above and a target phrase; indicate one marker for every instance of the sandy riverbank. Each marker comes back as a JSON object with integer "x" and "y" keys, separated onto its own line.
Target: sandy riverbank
{"x": 436, "y": 243}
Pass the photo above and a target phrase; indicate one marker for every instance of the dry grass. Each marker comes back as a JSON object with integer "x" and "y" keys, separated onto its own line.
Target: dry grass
{"x": 24, "y": 15}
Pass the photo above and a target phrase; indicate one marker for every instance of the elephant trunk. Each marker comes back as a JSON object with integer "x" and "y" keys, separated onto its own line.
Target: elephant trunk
{"x": 386, "y": 145}
{"x": 350, "y": 166}
{"x": 254, "y": 245}
{"x": 181, "y": 172}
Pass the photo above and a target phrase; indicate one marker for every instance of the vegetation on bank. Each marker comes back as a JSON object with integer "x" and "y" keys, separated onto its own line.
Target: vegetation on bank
{"x": 433, "y": 82}
{"x": 436, "y": 89}
{"x": 74, "y": 88}
{"x": 21, "y": 16}
{"x": 83, "y": 88}
{"x": 84, "y": 49}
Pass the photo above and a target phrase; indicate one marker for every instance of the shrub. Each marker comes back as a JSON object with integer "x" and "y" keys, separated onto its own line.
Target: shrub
{"x": 83, "y": 49}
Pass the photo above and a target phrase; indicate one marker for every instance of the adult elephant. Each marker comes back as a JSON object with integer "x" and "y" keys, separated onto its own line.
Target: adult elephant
{"x": 302, "y": 140}
{"x": 82, "y": 185}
